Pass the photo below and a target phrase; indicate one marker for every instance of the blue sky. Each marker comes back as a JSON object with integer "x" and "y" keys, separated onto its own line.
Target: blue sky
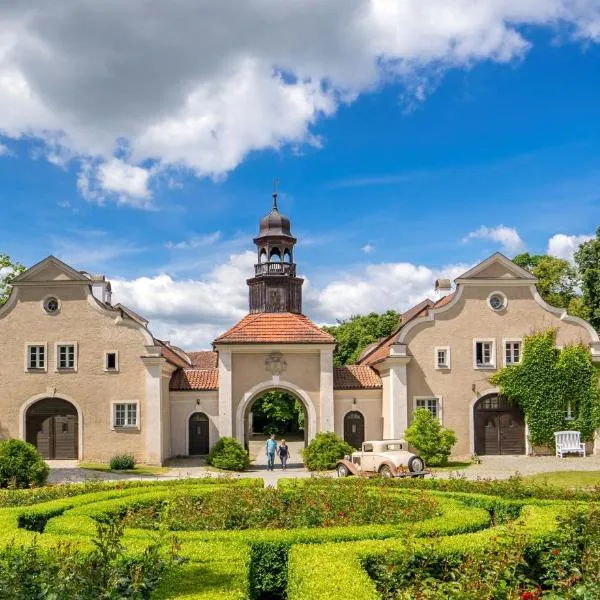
{"x": 390, "y": 179}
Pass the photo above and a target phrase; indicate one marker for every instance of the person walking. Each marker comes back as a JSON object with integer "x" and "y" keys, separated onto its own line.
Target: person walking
{"x": 284, "y": 453}
{"x": 271, "y": 448}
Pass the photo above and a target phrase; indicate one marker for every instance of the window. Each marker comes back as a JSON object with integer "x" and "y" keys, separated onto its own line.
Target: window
{"x": 497, "y": 301}
{"x": 431, "y": 404}
{"x": 111, "y": 361}
{"x": 125, "y": 414}
{"x": 569, "y": 416}
{"x": 512, "y": 352}
{"x": 36, "y": 357}
{"x": 484, "y": 354}
{"x": 51, "y": 305}
{"x": 442, "y": 358}
{"x": 367, "y": 448}
{"x": 65, "y": 356}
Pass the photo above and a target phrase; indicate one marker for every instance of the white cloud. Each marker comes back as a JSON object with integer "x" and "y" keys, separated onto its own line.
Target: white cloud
{"x": 565, "y": 246}
{"x": 5, "y": 150}
{"x": 199, "y": 85}
{"x": 368, "y": 248}
{"x": 507, "y": 237}
{"x": 196, "y": 242}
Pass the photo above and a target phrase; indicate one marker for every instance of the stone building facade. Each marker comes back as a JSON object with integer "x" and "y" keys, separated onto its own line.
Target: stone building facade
{"x": 83, "y": 378}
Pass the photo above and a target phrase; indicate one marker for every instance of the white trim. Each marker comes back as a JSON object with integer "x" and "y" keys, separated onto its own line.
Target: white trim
{"x": 116, "y": 353}
{"x": 493, "y": 356}
{"x": 43, "y": 303}
{"x": 29, "y": 369}
{"x": 136, "y": 427}
{"x": 512, "y": 341}
{"x": 440, "y": 412}
{"x": 448, "y": 365}
{"x": 72, "y": 369}
{"x": 264, "y": 386}
{"x": 53, "y": 395}
{"x": 504, "y": 301}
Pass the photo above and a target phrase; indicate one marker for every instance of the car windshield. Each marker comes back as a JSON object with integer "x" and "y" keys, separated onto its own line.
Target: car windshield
{"x": 394, "y": 447}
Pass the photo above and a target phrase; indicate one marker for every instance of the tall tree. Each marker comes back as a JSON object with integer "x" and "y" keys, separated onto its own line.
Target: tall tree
{"x": 8, "y": 271}
{"x": 588, "y": 262}
{"x": 353, "y": 335}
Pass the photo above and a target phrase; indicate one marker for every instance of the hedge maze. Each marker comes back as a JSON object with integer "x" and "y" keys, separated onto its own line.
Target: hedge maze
{"x": 299, "y": 563}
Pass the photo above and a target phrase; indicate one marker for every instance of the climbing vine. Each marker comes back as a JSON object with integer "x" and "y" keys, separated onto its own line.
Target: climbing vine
{"x": 550, "y": 384}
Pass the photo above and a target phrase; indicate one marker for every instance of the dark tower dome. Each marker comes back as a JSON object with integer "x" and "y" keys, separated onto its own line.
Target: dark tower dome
{"x": 275, "y": 287}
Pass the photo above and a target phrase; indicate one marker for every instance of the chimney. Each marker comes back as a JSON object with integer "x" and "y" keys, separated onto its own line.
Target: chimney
{"x": 442, "y": 287}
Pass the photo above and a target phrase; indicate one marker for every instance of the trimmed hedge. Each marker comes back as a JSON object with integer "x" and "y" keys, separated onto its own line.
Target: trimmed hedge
{"x": 21, "y": 465}
{"x": 228, "y": 454}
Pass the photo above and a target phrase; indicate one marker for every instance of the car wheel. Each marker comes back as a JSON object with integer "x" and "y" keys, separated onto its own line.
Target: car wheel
{"x": 416, "y": 464}
{"x": 342, "y": 471}
{"x": 385, "y": 472}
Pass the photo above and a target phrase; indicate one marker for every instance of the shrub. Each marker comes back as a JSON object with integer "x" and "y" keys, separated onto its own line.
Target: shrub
{"x": 228, "y": 454}
{"x": 122, "y": 462}
{"x": 21, "y": 465}
{"x": 324, "y": 451}
{"x": 432, "y": 441}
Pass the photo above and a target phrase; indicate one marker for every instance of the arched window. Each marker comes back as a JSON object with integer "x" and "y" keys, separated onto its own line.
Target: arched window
{"x": 263, "y": 256}
{"x": 275, "y": 255}
{"x": 287, "y": 256}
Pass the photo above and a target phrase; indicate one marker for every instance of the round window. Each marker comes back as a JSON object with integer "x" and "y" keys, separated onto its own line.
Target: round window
{"x": 51, "y": 305}
{"x": 497, "y": 301}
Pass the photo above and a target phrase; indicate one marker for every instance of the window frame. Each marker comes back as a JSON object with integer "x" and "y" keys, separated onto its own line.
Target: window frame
{"x": 438, "y": 366}
{"x": 28, "y": 367}
{"x": 506, "y": 341}
{"x": 435, "y": 397}
{"x": 106, "y": 368}
{"x": 57, "y": 347}
{"x": 113, "y": 415}
{"x": 504, "y": 301}
{"x": 493, "y": 358}
{"x": 569, "y": 412}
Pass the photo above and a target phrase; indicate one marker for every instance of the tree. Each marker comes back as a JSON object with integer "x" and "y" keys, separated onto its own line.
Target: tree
{"x": 8, "y": 271}
{"x": 432, "y": 441}
{"x": 587, "y": 259}
{"x": 277, "y": 412}
{"x": 353, "y": 335}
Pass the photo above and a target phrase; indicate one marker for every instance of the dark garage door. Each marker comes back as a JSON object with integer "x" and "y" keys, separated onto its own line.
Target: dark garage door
{"x": 52, "y": 427}
{"x": 499, "y": 427}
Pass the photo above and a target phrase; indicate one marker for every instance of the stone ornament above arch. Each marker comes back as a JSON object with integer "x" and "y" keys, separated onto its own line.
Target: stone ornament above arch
{"x": 264, "y": 386}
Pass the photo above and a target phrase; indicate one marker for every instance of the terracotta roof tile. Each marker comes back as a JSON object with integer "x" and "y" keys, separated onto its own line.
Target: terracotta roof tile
{"x": 354, "y": 377}
{"x": 276, "y": 328}
{"x": 204, "y": 359}
{"x": 170, "y": 354}
{"x": 443, "y": 301}
{"x": 195, "y": 379}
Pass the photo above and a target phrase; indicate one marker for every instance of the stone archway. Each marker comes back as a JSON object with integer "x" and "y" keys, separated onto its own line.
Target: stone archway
{"x": 52, "y": 426}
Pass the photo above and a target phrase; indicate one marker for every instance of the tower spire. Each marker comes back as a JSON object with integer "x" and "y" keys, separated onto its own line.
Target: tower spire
{"x": 275, "y": 186}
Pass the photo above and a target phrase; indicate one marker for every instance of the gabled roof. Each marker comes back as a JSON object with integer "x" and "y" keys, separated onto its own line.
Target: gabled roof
{"x": 508, "y": 269}
{"x": 275, "y": 328}
{"x": 174, "y": 355}
{"x": 47, "y": 264}
{"x": 194, "y": 379}
{"x": 204, "y": 359}
{"x": 356, "y": 377}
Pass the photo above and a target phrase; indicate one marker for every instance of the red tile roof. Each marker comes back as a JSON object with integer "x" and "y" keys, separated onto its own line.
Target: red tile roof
{"x": 204, "y": 359}
{"x": 195, "y": 379}
{"x": 355, "y": 377}
{"x": 445, "y": 300}
{"x": 275, "y": 328}
{"x": 171, "y": 355}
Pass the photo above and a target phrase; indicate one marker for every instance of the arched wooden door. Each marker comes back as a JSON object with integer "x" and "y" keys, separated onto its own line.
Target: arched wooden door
{"x": 198, "y": 429}
{"x": 499, "y": 427}
{"x": 52, "y": 426}
{"x": 354, "y": 429}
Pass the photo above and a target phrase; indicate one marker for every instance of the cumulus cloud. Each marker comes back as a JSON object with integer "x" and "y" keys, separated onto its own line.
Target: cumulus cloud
{"x": 199, "y": 85}
{"x": 507, "y": 237}
{"x": 368, "y": 248}
{"x": 565, "y": 246}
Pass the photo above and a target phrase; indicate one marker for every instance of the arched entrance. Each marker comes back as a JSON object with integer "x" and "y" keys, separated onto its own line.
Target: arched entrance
{"x": 52, "y": 426}
{"x": 199, "y": 441}
{"x": 354, "y": 429}
{"x": 499, "y": 426}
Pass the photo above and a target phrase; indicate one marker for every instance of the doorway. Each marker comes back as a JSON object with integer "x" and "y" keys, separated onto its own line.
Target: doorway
{"x": 499, "y": 427}
{"x": 52, "y": 426}
{"x": 354, "y": 429}
{"x": 199, "y": 442}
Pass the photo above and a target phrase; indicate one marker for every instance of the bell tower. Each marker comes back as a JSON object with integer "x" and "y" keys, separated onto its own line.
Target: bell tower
{"x": 275, "y": 287}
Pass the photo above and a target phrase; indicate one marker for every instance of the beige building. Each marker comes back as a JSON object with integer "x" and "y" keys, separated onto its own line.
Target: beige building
{"x": 81, "y": 377}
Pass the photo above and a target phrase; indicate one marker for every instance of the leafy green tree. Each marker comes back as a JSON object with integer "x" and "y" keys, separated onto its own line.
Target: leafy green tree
{"x": 588, "y": 261}
{"x": 353, "y": 335}
{"x": 8, "y": 271}
{"x": 324, "y": 451}
{"x": 432, "y": 441}
{"x": 278, "y": 412}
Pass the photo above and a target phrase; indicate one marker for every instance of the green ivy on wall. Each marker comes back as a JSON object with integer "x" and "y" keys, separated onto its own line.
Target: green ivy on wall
{"x": 547, "y": 382}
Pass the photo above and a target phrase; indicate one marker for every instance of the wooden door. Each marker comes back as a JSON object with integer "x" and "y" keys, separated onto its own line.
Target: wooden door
{"x": 354, "y": 429}
{"x": 52, "y": 427}
{"x": 499, "y": 427}
{"x": 198, "y": 434}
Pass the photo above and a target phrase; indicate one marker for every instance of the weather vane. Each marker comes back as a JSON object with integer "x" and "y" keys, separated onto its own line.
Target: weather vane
{"x": 275, "y": 186}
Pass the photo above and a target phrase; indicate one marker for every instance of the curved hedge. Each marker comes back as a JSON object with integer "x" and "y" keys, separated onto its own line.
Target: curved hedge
{"x": 234, "y": 565}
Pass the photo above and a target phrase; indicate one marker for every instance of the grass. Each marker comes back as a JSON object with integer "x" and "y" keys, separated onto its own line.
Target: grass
{"x": 137, "y": 470}
{"x": 453, "y": 466}
{"x": 567, "y": 479}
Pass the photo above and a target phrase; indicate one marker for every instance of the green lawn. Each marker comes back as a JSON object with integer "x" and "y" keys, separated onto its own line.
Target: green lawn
{"x": 138, "y": 470}
{"x": 453, "y": 466}
{"x": 567, "y": 479}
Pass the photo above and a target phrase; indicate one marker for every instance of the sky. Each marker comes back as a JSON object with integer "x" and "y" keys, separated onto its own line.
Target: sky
{"x": 411, "y": 139}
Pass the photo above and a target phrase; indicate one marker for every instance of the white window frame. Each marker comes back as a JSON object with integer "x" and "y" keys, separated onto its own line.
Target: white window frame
{"x": 113, "y": 415}
{"x": 569, "y": 414}
{"x": 28, "y": 367}
{"x": 57, "y": 367}
{"x": 504, "y": 303}
{"x": 492, "y": 364}
{"x": 116, "y": 369}
{"x": 446, "y": 366}
{"x": 512, "y": 341}
{"x": 45, "y": 299}
{"x": 430, "y": 397}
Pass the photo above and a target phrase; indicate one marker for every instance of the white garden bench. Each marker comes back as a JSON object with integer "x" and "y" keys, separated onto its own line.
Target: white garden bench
{"x": 567, "y": 442}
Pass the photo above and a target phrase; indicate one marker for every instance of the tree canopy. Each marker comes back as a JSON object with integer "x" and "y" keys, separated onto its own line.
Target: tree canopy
{"x": 588, "y": 262}
{"x": 353, "y": 335}
{"x": 8, "y": 271}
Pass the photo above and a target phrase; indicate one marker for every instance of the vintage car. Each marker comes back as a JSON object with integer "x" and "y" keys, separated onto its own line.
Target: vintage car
{"x": 387, "y": 458}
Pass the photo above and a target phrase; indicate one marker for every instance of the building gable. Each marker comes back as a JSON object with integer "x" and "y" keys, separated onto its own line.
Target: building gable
{"x": 496, "y": 267}
{"x": 50, "y": 269}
